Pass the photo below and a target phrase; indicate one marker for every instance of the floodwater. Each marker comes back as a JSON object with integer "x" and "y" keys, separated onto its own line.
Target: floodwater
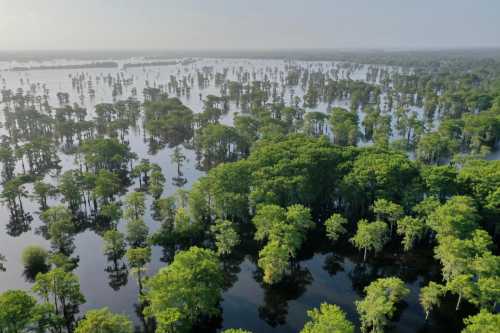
{"x": 322, "y": 273}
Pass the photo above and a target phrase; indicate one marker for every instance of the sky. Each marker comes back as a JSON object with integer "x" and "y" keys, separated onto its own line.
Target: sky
{"x": 248, "y": 24}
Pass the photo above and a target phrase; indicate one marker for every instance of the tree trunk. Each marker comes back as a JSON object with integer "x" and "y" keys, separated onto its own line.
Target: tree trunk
{"x": 458, "y": 302}
{"x": 364, "y": 256}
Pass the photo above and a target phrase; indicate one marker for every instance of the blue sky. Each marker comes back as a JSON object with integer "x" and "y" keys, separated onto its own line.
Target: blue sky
{"x": 248, "y": 24}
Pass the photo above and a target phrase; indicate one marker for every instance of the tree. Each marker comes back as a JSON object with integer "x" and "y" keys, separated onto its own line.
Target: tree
{"x": 60, "y": 228}
{"x": 16, "y": 308}
{"x": 430, "y": 297}
{"x": 344, "y": 125}
{"x": 387, "y": 211}
{"x": 273, "y": 260}
{"x": 137, "y": 233}
{"x": 327, "y": 319}
{"x": 189, "y": 287}
{"x": 370, "y": 236}
{"x": 34, "y": 259}
{"x": 42, "y": 191}
{"x": 286, "y": 230}
{"x": 156, "y": 182}
{"x": 457, "y": 217}
{"x": 412, "y": 229}
{"x": 226, "y": 237}
{"x": 483, "y": 322}
{"x": 178, "y": 157}
{"x": 107, "y": 184}
{"x": 138, "y": 258}
{"x": 379, "y": 304}
{"x": 335, "y": 226}
{"x": 114, "y": 245}
{"x": 104, "y": 321}
{"x": 62, "y": 290}
{"x": 134, "y": 206}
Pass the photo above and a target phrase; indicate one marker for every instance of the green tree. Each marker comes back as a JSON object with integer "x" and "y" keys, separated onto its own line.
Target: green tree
{"x": 412, "y": 229}
{"x": 42, "y": 191}
{"x": 107, "y": 185}
{"x": 104, "y": 321}
{"x": 483, "y": 322}
{"x": 62, "y": 290}
{"x": 335, "y": 226}
{"x": 134, "y": 206}
{"x": 138, "y": 258}
{"x": 34, "y": 259}
{"x": 60, "y": 228}
{"x": 430, "y": 297}
{"x": 379, "y": 304}
{"x": 189, "y": 287}
{"x": 16, "y": 309}
{"x": 344, "y": 125}
{"x": 327, "y": 319}
{"x": 457, "y": 217}
{"x": 226, "y": 236}
{"x": 387, "y": 211}
{"x": 137, "y": 233}
{"x": 114, "y": 245}
{"x": 274, "y": 261}
{"x": 370, "y": 236}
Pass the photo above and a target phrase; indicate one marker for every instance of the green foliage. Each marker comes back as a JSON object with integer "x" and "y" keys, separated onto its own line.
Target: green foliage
{"x": 16, "y": 309}
{"x": 189, "y": 287}
{"x": 457, "y": 217}
{"x": 370, "y": 236}
{"x": 62, "y": 290}
{"x": 226, "y": 237}
{"x": 134, "y": 206}
{"x": 138, "y": 258}
{"x": 335, "y": 226}
{"x": 286, "y": 230}
{"x": 327, "y": 319}
{"x": 483, "y": 322}
{"x": 430, "y": 297}
{"x": 344, "y": 125}
{"x": 378, "y": 174}
{"x": 169, "y": 120}
{"x": 103, "y": 321}
{"x": 107, "y": 185}
{"x": 114, "y": 245}
{"x": 379, "y": 305}
{"x": 137, "y": 233}
{"x": 60, "y": 228}
{"x": 440, "y": 181}
{"x": 106, "y": 154}
{"x": 34, "y": 259}
{"x": 274, "y": 261}
{"x": 412, "y": 229}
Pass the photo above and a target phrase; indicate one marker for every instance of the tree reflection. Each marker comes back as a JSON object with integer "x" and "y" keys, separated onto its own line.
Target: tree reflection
{"x": 117, "y": 274}
{"x": 19, "y": 222}
{"x": 274, "y": 311}
{"x": 334, "y": 264}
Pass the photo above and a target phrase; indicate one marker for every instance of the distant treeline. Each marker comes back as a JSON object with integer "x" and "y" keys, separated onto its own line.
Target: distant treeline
{"x": 105, "y": 64}
{"x": 158, "y": 63}
{"x": 372, "y": 56}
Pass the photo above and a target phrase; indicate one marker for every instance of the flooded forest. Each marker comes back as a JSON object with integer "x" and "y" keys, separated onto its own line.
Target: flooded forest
{"x": 250, "y": 192}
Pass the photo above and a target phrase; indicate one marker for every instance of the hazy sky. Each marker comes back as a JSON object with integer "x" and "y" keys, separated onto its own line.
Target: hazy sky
{"x": 247, "y": 24}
